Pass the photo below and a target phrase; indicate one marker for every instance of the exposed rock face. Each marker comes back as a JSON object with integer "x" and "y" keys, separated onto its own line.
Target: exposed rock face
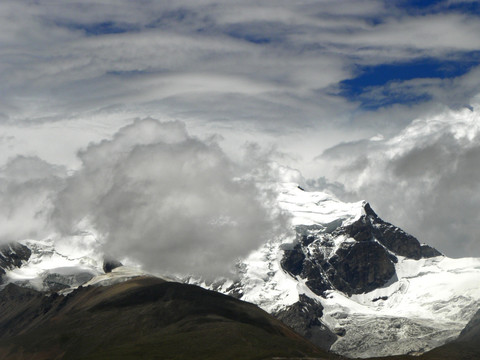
{"x": 12, "y": 255}
{"x": 303, "y": 317}
{"x": 362, "y": 261}
{"x": 293, "y": 261}
{"x": 361, "y": 267}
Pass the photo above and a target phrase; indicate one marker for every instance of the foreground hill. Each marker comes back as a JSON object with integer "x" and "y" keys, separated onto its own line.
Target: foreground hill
{"x": 142, "y": 318}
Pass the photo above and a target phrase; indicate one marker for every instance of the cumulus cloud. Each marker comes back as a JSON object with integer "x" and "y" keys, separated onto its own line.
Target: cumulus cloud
{"x": 167, "y": 200}
{"x": 27, "y": 188}
{"x": 424, "y": 179}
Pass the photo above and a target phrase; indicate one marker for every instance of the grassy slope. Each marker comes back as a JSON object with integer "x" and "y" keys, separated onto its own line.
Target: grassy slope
{"x": 146, "y": 319}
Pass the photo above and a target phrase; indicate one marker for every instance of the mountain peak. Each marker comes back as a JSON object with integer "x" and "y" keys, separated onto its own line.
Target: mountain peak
{"x": 367, "y": 277}
{"x": 368, "y": 210}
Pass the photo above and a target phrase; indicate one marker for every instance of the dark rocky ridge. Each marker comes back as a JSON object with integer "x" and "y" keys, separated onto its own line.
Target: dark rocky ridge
{"x": 362, "y": 263}
{"x": 394, "y": 238}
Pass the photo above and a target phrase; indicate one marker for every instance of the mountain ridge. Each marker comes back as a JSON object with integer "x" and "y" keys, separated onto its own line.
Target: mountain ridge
{"x": 345, "y": 279}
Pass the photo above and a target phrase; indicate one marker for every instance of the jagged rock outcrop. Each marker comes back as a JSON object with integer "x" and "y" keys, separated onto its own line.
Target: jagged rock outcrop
{"x": 390, "y": 236}
{"x": 361, "y": 267}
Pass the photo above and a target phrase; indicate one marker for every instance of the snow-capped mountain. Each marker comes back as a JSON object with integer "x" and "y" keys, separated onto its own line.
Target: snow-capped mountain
{"x": 345, "y": 279}
{"x": 376, "y": 288}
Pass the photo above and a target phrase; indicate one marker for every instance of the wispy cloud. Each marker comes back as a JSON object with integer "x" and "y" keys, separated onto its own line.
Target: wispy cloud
{"x": 59, "y": 60}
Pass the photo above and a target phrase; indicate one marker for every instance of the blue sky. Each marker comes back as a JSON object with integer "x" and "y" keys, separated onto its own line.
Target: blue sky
{"x": 389, "y": 74}
{"x": 384, "y": 76}
{"x": 424, "y": 7}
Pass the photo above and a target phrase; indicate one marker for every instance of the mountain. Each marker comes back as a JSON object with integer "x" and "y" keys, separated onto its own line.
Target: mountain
{"x": 352, "y": 282}
{"x": 344, "y": 278}
{"x": 146, "y": 318}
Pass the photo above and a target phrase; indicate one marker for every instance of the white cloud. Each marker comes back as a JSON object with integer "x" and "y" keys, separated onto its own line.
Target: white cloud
{"x": 27, "y": 186}
{"x": 168, "y": 201}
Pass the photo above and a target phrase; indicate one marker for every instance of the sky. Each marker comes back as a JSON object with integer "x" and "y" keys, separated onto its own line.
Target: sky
{"x": 366, "y": 99}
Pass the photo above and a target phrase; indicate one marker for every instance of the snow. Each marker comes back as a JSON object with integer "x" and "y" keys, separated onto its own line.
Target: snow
{"x": 66, "y": 261}
{"x": 117, "y": 275}
{"x": 266, "y": 284}
{"x": 316, "y": 208}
